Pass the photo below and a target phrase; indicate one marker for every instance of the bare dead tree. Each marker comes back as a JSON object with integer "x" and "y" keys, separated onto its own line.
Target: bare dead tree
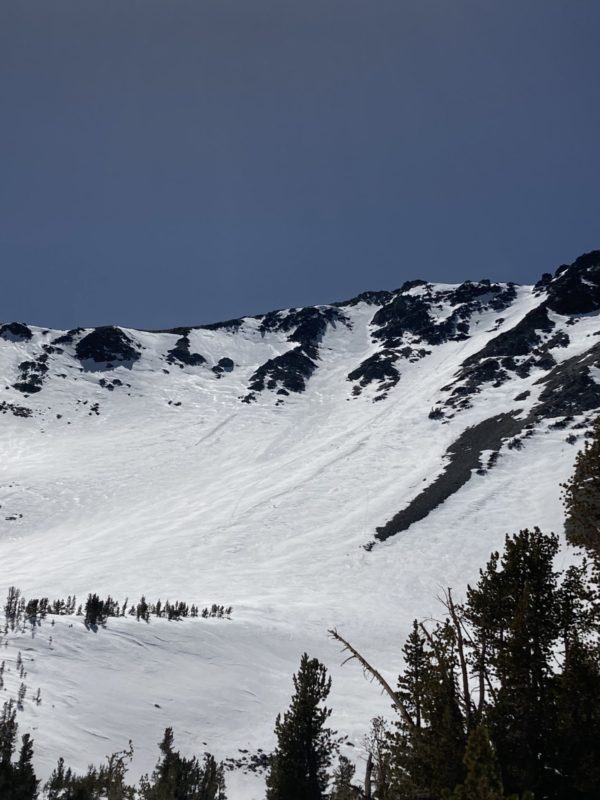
{"x": 464, "y": 636}
{"x": 460, "y": 643}
{"x": 368, "y": 773}
{"x": 369, "y": 670}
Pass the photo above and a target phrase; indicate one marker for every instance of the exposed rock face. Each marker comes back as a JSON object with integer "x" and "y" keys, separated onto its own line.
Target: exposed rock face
{"x": 408, "y": 323}
{"x": 32, "y": 375}
{"x": 290, "y": 371}
{"x": 569, "y": 388}
{"x": 413, "y": 313}
{"x": 181, "y": 353}
{"x": 15, "y": 332}
{"x": 404, "y": 314}
{"x": 224, "y": 364}
{"x": 309, "y": 326}
{"x": 107, "y": 345}
{"x": 525, "y": 346}
{"x": 68, "y": 337}
{"x": 464, "y": 457}
{"x": 573, "y": 291}
{"x": 17, "y": 411}
{"x": 377, "y": 368}
{"x": 111, "y": 385}
{"x": 520, "y": 340}
{"x": 575, "y": 288}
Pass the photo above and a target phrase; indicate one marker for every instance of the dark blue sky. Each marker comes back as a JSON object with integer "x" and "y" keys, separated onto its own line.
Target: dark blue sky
{"x": 173, "y": 162}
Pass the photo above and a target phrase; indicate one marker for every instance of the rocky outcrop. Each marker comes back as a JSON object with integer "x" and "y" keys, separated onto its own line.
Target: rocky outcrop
{"x": 15, "y": 410}
{"x": 573, "y": 291}
{"x": 31, "y": 375}
{"x": 409, "y": 323}
{"x": 181, "y": 355}
{"x": 515, "y": 352}
{"x": 15, "y": 332}
{"x": 107, "y": 345}
{"x": 224, "y": 364}
{"x": 575, "y": 288}
{"x": 68, "y": 337}
{"x": 290, "y": 371}
{"x": 569, "y": 388}
{"x": 380, "y": 369}
{"x": 463, "y": 458}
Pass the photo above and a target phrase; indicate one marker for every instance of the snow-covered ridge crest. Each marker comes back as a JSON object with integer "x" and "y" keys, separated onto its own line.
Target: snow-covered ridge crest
{"x": 498, "y": 360}
{"x": 403, "y": 327}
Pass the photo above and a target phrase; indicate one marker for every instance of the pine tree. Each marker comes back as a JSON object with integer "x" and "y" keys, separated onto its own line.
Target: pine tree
{"x": 17, "y": 780}
{"x": 57, "y": 781}
{"x": 299, "y": 765}
{"x": 142, "y": 610}
{"x": 8, "y": 737}
{"x": 179, "y": 778}
{"x": 575, "y": 734}
{"x": 11, "y": 607}
{"x": 343, "y": 788}
{"x": 94, "y": 611}
{"x": 411, "y": 684}
{"x": 581, "y": 497}
{"x": 515, "y": 613}
{"x": 106, "y": 782}
{"x": 427, "y": 754}
{"x": 482, "y": 781}
{"x": 26, "y": 783}
{"x": 212, "y": 784}
{"x": 21, "y": 696}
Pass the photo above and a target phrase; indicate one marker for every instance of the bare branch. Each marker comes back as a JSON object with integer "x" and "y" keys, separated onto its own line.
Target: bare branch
{"x": 449, "y": 603}
{"x": 367, "y": 668}
{"x": 481, "y": 669}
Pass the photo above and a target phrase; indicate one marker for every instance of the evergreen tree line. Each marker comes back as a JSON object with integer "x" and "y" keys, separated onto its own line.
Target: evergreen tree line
{"x": 500, "y": 698}
{"x": 18, "y": 611}
{"x": 175, "y": 777}
{"x": 97, "y": 611}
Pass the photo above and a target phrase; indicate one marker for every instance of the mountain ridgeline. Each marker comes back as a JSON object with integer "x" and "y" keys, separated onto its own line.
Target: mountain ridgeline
{"x": 516, "y": 360}
{"x": 404, "y": 327}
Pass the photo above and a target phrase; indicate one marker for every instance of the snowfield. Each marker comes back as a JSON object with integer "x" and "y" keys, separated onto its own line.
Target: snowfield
{"x": 175, "y": 489}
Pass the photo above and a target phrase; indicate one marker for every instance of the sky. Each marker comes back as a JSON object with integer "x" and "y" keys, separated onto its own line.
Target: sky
{"x": 178, "y": 162}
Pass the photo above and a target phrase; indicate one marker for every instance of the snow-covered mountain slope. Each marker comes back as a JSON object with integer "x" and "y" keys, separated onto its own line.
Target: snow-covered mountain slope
{"x": 313, "y": 468}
